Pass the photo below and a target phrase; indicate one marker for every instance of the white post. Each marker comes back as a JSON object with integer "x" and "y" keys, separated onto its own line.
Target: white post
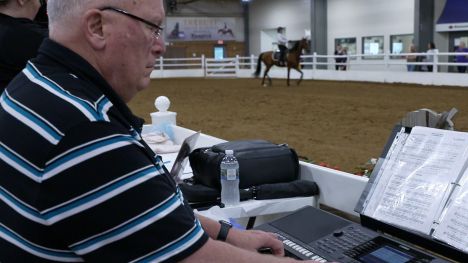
{"x": 252, "y": 62}
{"x": 314, "y": 61}
{"x": 435, "y": 61}
{"x": 162, "y": 117}
{"x": 347, "y": 61}
{"x": 203, "y": 64}
{"x": 161, "y": 65}
{"x": 387, "y": 59}
{"x": 237, "y": 66}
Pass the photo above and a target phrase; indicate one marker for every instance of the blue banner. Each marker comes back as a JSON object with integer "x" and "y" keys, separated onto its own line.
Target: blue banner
{"x": 454, "y": 16}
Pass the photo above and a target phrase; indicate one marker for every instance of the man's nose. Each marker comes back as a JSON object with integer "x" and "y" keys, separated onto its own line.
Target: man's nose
{"x": 159, "y": 46}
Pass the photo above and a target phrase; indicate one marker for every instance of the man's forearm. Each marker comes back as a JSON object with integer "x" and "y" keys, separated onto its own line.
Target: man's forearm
{"x": 210, "y": 226}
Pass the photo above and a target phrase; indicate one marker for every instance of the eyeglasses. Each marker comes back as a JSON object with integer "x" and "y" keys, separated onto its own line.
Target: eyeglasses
{"x": 156, "y": 30}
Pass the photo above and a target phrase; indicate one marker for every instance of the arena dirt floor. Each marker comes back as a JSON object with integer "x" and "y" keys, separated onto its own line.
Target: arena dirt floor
{"x": 343, "y": 124}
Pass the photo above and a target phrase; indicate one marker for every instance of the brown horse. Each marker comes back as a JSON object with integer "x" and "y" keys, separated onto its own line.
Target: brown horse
{"x": 293, "y": 61}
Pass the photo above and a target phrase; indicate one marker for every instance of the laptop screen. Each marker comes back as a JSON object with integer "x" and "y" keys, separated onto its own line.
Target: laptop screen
{"x": 181, "y": 160}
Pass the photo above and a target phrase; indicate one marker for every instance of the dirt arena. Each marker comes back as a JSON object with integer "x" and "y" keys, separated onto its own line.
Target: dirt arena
{"x": 341, "y": 123}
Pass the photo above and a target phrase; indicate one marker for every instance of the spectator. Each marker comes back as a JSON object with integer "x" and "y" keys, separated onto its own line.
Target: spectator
{"x": 78, "y": 182}
{"x": 41, "y": 16}
{"x": 20, "y": 36}
{"x": 461, "y": 58}
{"x": 338, "y": 60}
{"x": 431, "y": 51}
{"x": 344, "y": 59}
{"x": 411, "y": 58}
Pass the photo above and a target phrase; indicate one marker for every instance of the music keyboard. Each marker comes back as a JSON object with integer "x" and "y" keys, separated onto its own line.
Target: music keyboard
{"x": 313, "y": 234}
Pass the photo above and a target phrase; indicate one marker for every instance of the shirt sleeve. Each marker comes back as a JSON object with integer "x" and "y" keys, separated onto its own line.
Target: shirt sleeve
{"x": 282, "y": 39}
{"x": 112, "y": 202}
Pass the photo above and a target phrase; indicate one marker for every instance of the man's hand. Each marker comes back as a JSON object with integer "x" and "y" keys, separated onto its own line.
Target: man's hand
{"x": 255, "y": 239}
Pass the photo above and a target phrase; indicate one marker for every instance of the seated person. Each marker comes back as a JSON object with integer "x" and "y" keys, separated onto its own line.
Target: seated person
{"x": 78, "y": 182}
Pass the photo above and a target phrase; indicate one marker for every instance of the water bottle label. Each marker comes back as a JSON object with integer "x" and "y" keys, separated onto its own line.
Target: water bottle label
{"x": 231, "y": 174}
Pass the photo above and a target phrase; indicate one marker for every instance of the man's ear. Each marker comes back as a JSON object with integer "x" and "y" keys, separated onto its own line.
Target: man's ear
{"x": 94, "y": 28}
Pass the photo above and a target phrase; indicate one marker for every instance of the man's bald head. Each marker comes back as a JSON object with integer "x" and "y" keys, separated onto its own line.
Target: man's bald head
{"x": 112, "y": 36}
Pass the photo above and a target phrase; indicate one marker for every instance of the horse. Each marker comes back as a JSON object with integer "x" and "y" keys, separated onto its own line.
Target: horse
{"x": 225, "y": 31}
{"x": 292, "y": 59}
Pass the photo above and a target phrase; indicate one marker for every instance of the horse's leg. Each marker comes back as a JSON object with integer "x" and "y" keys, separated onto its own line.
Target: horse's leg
{"x": 269, "y": 79}
{"x": 300, "y": 71}
{"x": 265, "y": 74}
{"x": 268, "y": 70}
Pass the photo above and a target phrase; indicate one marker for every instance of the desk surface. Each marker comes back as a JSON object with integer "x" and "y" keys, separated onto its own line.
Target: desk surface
{"x": 253, "y": 208}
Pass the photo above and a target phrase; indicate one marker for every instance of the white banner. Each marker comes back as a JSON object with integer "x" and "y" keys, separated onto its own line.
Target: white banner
{"x": 202, "y": 28}
{"x": 452, "y": 27}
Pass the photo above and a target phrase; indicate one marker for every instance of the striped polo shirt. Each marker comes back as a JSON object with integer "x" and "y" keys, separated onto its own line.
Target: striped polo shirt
{"x": 77, "y": 183}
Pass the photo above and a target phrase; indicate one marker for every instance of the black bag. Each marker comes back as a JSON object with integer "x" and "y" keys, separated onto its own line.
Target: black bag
{"x": 200, "y": 196}
{"x": 260, "y": 162}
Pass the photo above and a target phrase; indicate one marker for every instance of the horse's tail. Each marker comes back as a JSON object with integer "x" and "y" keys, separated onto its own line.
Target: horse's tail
{"x": 259, "y": 66}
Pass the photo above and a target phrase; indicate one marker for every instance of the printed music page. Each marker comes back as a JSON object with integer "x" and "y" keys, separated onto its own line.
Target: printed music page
{"x": 381, "y": 180}
{"x": 453, "y": 228}
{"x": 417, "y": 180}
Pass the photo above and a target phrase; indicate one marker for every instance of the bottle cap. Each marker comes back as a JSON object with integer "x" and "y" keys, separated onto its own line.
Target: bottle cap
{"x": 229, "y": 152}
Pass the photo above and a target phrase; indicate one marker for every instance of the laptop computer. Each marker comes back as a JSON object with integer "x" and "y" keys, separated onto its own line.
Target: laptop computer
{"x": 180, "y": 162}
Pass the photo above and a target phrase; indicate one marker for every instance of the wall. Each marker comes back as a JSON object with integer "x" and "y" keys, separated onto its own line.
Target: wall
{"x": 198, "y": 48}
{"x": 345, "y": 18}
{"x": 207, "y": 8}
{"x": 441, "y": 39}
{"x": 269, "y": 14}
{"x": 359, "y": 18}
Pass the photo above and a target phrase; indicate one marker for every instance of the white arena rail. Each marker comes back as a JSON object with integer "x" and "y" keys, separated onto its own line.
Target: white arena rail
{"x": 385, "y": 68}
{"x": 226, "y": 67}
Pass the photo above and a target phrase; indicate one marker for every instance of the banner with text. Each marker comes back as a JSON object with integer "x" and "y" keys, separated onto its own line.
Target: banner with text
{"x": 202, "y": 28}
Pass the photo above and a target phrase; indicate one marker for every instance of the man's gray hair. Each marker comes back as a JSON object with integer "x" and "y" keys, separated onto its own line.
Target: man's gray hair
{"x": 58, "y": 10}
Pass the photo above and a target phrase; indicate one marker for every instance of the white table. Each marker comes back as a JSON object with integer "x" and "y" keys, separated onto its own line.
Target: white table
{"x": 263, "y": 210}
{"x": 248, "y": 213}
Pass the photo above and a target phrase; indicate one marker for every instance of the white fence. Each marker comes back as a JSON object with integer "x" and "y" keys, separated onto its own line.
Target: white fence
{"x": 389, "y": 68}
{"x": 227, "y": 67}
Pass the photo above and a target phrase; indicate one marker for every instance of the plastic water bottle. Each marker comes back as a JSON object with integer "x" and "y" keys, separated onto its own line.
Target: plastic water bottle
{"x": 229, "y": 179}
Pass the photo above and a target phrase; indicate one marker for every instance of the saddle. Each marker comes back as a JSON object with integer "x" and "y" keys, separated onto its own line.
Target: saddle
{"x": 276, "y": 55}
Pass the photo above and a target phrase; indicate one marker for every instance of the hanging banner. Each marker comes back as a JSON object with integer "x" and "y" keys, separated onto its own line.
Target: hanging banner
{"x": 202, "y": 28}
{"x": 454, "y": 17}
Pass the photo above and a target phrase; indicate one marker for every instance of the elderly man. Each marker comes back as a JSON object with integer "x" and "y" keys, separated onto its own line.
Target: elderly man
{"x": 20, "y": 36}
{"x": 77, "y": 183}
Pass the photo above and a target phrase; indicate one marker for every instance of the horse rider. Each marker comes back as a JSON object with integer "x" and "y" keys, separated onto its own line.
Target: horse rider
{"x": 282, "y": 42}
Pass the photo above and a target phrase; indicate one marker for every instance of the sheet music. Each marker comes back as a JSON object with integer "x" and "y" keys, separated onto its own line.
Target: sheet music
{"x": 418, "y": 178}
{"x": 453, "y": 228}
{"x": 380, "y": 181}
